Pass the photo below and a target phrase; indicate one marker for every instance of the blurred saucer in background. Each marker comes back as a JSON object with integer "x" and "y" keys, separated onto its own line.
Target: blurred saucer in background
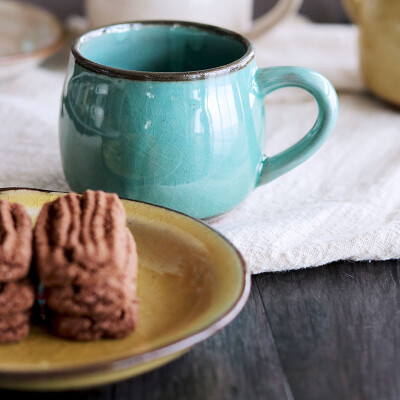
{"x": 28, "y": 35}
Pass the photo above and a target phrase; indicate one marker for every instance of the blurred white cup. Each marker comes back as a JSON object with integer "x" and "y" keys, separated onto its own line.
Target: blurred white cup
{"x": 231, "y": 14}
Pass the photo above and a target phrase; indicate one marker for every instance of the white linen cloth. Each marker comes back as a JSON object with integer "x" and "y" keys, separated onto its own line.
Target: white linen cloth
{"x": 343, "y": 203}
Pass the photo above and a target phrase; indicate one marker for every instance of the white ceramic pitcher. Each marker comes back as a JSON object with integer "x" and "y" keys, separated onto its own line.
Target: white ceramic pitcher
{"x": 235, "y": 15}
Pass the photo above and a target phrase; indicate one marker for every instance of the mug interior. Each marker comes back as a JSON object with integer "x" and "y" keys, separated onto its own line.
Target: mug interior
{"x": 162, "y": 47}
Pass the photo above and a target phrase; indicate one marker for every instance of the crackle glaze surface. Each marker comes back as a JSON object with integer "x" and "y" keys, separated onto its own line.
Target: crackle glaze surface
{"x": 193, "y": 145}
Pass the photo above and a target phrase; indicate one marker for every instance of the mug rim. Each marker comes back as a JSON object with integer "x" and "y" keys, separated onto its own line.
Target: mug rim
{"x": 234, "y": 66}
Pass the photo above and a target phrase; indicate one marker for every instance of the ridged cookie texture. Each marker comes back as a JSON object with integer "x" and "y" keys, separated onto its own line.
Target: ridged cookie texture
{"x": 15, "y": 241}
{"x": 86, "y": 328}
{"x": 16, "y": 296}
{"x": 103, "y": 301}
{"x": 82, "y": 239}
{"x": 86, "y": 258}
{"x": 14, "y": 327}
{"x": 17, "y": 293}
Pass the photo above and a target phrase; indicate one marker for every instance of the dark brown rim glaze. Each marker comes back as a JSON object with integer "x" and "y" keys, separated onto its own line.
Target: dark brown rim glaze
{"x": 179, "y": 345}
{"x": 162, "y": 76}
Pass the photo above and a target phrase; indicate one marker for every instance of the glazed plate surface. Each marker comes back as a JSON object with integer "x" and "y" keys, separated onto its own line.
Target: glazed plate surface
{"x": 192, "y": 282}
{"x": 28, "y": 35}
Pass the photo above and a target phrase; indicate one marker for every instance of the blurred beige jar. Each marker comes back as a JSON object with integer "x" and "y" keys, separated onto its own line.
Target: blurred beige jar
{"x": 379, "y": 23}
{"x": 231, "y": 14}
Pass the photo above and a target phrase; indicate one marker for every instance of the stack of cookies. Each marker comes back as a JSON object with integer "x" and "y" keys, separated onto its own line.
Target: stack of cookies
{"x": 86, "y": 259}
{"x": 16, "y": 291}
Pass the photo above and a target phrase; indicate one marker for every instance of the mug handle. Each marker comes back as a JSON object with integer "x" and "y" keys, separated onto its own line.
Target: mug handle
{"x": 270, "y": 79}
{"x": 281, "y": 10}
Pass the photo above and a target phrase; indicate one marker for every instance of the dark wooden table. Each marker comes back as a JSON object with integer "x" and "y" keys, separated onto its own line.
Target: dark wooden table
{"x": 323, "y": 333}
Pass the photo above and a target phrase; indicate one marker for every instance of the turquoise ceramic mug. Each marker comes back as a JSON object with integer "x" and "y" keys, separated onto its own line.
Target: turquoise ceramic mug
{"x": 172, "y": 113}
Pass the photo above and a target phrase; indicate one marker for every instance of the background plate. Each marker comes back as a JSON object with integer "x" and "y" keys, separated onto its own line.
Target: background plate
{"x": 28, "y": 35}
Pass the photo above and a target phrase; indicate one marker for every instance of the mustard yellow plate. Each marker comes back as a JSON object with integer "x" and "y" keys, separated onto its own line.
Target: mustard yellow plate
{"x": 192, "y": 282}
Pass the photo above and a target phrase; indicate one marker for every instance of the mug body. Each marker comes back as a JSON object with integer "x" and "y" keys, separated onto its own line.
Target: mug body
{"x": 165, "y": 113}
{"x": 230, "y": 14}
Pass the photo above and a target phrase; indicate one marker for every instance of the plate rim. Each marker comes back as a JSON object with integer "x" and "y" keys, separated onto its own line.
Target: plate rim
{"x": 38, "y": 54}
{"x": 162, "y": 351}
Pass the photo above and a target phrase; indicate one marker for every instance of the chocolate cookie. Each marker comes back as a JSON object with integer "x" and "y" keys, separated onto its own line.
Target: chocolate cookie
{"x": 106, "y": 300}
{"x": 16, "y": 296}
{"x": 14, "y": 327}
{"x": 15, "y": 241}
{"x": 80, "y": 240}
{"x": 85, "y": 328}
